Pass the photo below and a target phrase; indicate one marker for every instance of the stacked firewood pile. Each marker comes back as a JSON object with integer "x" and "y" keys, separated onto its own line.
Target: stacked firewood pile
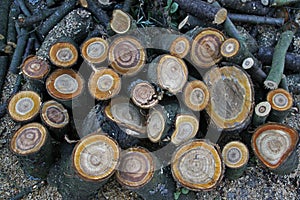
{"x": 165, "y": 96}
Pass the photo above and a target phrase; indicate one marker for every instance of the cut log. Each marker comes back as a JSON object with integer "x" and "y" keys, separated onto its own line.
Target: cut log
{"x": 24, "y": 106}
{"x": 235, "y": 155}
{"x": 136, "y": 168}
{"x": 121, "y": 21}
{"x": 205, "y": 50}
{"x": 278, "y": 61}
{"x": 127, "y": 116}
{"x": 35, "y": 70}
{"x": 97, "y": 121}
{"x": 93, "y": 161}
{"x": 281, "y": 102}
{"x": 104, "y": 84}
{"x": 127, "y": 55}
{"x": 231, "y": 98}
{"x": 58, "y": 15}
{"x": 156, "y": 123}
{"x": 31, "y": 143}
{"x": 56, "y": 118}
{"x": 143, "y": 94}
{"x": 291, "y": 63}
{"x": 249, "y": 7}
{"x": 197, "y": 165}
{"x": 95, "y": 50}
{"x": 186, "y": 128}
{"x": 230, "y": 47}
{"x": 65, "y": 85}
{"x": 63, "y": 53}
{"x": 261, "y": 113}
{"x": 168, "y": 72}
{"x": 196, "y": 95}
{"x": 275, "y": 146}
{"x": 204, "y": 10}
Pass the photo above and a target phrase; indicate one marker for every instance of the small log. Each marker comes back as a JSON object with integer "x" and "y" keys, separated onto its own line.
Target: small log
{"x": 93, "y": 161}
{"x": 136, "y": 168}
{"x": 4, "y": 10}
{"x": 24, "y": 106}
{"x": 56, "y": 118}
{"x": 168, "y": 72}
{"x": 291, "y": 62}
{"x": 127, "y": 55}
{"x": 230, "y": 48}
{"x": 235, "y": 155}
{"x": 35, "y": 70}
{"x": 249, "y": 7}
{"x": 31, "y": 143}
{"x": 34, "y": 19}
{"x": 3, "y": 70}
{"x": 11, "y": 27}
{"x": 121, "y": 21}
{"x": 261, "y": 113}
{"x": 161, "y": 120}
{"x": 74, "y": 26}
{"x": 95, "y": 51}
{"x": 231, "y": 98}
{"x": 278, "y": 3}
{"x": 19, "y": 51}
{"x": 127, "y": 116}
{"x": 281, "y": 103}
{"x": 104, "y": 84}
{"x": 186, "y": 128}
{"x": 275, "y": 74}
{"x": 65, "y": 85}
{"x": 143, "y": 94}
{"x": 203, "y": 10}
{"x": 275, "y": 146}
{"x": 196, "y": 95}
{"x": 205, "y": 49}
{"x": 97, "y": 120}
{"x": 197, "y": 165}
{"x": 157, "y": 125}
{"x": 58, "y": 15}
{"x": 174, "y": 44}
{"x": 64, "y": 53}
{"x": 254, "y": 19}
{"x": 95, "y": 8}
{"x": 147, "y": 177}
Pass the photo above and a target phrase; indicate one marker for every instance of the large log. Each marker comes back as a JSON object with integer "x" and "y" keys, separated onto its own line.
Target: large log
{"x": 33, "y": 146}
{"x": 93, "y": 161}
{"x": 231, "y": 98}
{"x": 275, "y": 146}
{"x": 197, "y": 165}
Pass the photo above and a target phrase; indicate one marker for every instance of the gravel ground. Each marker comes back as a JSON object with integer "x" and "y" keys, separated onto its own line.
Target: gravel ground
{"x": 256, "y": 183}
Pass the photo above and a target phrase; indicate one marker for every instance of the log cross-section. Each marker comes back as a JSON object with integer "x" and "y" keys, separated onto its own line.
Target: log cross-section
{"x": 127, "y": 55}
{"x": 205, "y": 50}
{"x": 231, "y": 101}
{"x": 24, "y": 106}
{"x": 274, "y": 144}
{"x": 197, "y": 165}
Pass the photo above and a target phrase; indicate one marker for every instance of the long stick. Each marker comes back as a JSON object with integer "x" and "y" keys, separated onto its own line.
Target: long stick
{"x": 278, "y": 60}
